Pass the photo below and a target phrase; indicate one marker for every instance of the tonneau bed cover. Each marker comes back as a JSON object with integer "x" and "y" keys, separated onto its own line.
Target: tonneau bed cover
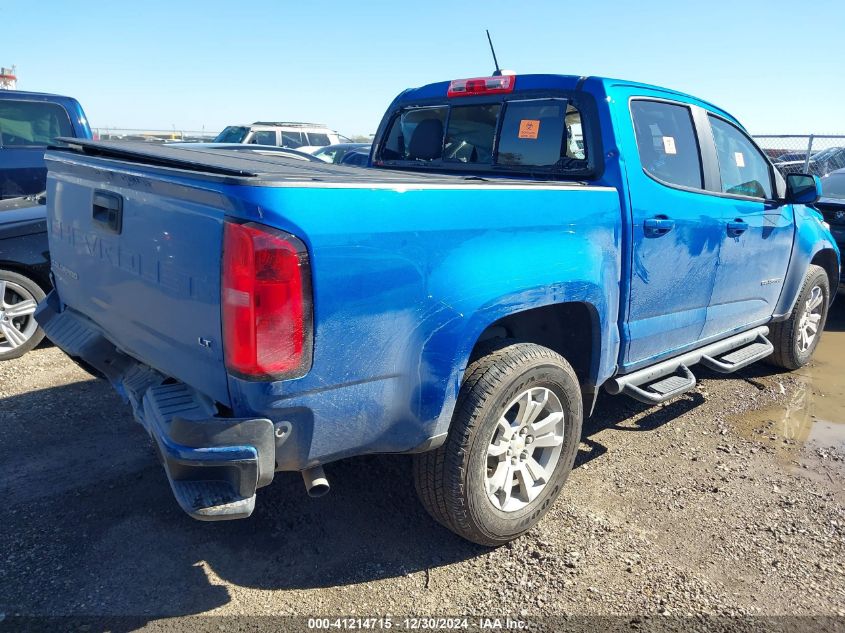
{"x": 269, "y": 169}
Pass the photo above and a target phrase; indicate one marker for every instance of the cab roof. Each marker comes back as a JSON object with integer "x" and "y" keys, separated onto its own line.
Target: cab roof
{"x": 525, "y": 83}
{"x": 37, "y": 96}
{"x": 289, "y": 124}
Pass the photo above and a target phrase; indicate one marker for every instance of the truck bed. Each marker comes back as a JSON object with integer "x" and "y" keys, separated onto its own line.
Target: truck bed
{"x": 406, "y": 269}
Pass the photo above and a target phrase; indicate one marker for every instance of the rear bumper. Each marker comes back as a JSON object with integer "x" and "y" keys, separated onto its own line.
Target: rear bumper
{"x": 214, "y": 464}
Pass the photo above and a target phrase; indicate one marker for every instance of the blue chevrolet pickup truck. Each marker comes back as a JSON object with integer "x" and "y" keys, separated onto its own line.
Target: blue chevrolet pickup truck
{"x": 517, "y": 244}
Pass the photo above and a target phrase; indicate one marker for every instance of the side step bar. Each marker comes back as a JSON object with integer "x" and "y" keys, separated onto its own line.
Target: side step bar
{"x": 671, "y": 378}
{"x": 741, "y": 357}
{"x": 662, "y": 389}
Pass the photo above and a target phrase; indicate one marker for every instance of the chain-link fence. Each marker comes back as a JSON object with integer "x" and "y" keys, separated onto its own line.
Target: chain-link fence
{"x": 817, "y": 154}
{"x": 151, "y": 136}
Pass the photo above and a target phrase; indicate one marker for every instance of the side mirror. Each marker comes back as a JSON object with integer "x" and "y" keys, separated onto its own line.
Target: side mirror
{"x": 803, "y": 188}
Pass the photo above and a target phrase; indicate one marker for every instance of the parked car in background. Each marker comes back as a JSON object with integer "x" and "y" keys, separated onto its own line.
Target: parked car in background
{"x": 832, "y": 207}
{"x": 820, "y": 164}
{"x": 335, "y": 153}
{"x": 789, "y": 156}
{"x": 29, "y": 122}
{"x": 24, "y": 272}
{"x": 305, "y": 137}
{"x": 357, "y": 158}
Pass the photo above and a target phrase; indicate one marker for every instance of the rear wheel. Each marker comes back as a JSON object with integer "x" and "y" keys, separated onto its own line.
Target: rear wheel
{"x": 19, "y": 332}
{"x": 796, "y": 339}
{"x": 511, "y": 445}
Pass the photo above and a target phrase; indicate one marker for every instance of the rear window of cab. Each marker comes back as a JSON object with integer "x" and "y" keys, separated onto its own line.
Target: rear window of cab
{"x": 32, "y": 123}
{"x": 522, "y": 135}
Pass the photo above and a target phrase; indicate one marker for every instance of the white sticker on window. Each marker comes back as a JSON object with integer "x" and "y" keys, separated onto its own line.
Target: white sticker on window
{"x": 740, "y": 159}
{"x": 669, "y": 145}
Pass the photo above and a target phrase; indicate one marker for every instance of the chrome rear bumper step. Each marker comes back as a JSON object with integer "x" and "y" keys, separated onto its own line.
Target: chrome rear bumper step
{"x": 671, "y": 378}
{"x": 214, "y": 464}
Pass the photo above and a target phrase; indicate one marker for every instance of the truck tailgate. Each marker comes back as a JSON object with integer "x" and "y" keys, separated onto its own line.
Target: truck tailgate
{"x": 140, "y": 256}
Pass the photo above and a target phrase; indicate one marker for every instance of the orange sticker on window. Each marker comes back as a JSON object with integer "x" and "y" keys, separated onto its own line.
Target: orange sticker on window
{"x": 529, "y": 128}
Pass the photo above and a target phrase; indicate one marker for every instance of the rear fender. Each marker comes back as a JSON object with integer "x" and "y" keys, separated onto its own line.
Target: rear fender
{"x": 403, "y": 292}
{"x": 446, "y": 353}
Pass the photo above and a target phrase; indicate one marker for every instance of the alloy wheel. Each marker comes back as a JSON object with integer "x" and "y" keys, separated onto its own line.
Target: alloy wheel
{"x": 17, "y": 316}
{"x": 808, "y": 326}
{"x": 525, "y": 449}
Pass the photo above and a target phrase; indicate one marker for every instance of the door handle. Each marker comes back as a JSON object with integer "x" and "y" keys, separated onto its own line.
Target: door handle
{"x": 737, "y": 227}
{"x": 658, "y": 225}
{"x": 107, "y": 211}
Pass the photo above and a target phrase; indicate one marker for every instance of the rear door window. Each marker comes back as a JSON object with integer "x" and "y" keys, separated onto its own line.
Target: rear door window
{"x": 264, "y": 137}
{"x": 318, "y": 139}
{"x": 32, "y": 123}
{"x": 667, "y": 143}
{"x": 292, "y": 139}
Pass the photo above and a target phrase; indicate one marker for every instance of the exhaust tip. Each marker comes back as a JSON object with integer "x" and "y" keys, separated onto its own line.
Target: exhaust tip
{"x": 318, "y": 490}
{"x": 316, "y": 482}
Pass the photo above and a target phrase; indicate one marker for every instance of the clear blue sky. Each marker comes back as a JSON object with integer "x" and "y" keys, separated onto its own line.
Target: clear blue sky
{"x": 777, "y": 65}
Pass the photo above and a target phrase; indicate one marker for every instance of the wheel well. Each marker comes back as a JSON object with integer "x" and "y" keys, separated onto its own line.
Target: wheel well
{"x": 827, "y": 260}
{"x": 20, "y": 269}
{"x": 570, "y": 329}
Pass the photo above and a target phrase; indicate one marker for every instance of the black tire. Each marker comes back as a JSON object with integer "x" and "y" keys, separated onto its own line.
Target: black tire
{"x": 786, "y": 335}
{"x": 451, "y": 481}
{"x": 16, "y": 286}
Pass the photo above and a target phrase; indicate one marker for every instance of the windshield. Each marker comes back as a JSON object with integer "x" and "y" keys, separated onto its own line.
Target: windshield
{"x": 826, "y": 153}
{"x": 330, "y": 154}
{"x": 232, "y": 134}
{"x": 833, "y": 186}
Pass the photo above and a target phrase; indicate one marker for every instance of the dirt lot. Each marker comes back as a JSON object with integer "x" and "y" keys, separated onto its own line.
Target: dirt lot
{"x": 729, "y": 501}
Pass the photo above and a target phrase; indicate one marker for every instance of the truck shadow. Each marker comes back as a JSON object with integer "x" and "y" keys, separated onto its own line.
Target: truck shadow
{"x": 625, "y": 414}
{"x": 91, "y": 527}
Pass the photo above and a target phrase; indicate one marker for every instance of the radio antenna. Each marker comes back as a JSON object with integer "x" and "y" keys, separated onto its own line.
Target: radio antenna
{"x": 493, "y": 50}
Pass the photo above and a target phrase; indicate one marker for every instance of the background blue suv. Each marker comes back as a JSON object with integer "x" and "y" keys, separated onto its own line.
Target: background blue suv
{"x": 29, "y": 122}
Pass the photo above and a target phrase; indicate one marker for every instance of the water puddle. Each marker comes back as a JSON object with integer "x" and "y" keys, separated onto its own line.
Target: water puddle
{"x": 815, "y": 412}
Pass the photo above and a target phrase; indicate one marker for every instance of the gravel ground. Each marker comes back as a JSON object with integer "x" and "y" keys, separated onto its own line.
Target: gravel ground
{"x": 727, "y": 502}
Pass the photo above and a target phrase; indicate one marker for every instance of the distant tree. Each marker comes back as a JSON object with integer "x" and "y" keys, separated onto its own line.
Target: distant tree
{"x": 362, "y": 138}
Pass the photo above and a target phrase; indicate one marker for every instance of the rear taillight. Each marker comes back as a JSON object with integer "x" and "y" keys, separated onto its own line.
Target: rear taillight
{"x": 267, "y": 316}
{"x": 481, "y": 86}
